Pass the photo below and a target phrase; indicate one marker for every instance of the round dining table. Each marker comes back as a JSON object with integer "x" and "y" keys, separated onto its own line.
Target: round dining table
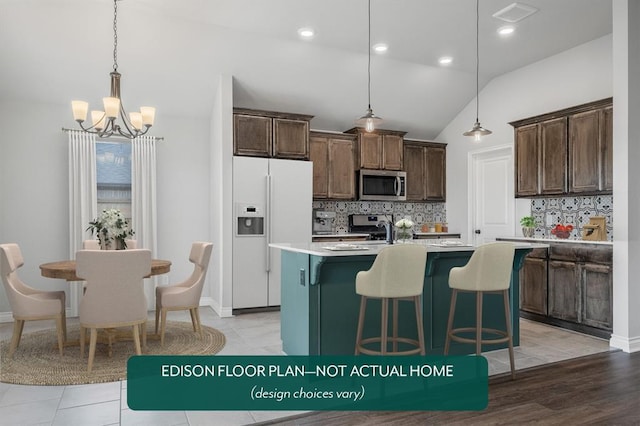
{"x": 66, "y": 269}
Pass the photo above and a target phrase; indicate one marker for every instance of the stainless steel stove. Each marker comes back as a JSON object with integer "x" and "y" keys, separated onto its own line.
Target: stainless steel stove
{"x": 368, "y": 224}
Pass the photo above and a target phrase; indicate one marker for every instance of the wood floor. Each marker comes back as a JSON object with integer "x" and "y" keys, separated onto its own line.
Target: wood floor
{"x": 602, "y": 389}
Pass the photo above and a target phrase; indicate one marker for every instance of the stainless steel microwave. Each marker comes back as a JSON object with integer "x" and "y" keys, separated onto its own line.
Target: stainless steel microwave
{"x": 382, "y": 185}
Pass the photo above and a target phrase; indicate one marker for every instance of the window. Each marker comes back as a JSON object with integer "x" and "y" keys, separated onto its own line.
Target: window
{"x": 113, "y": 175}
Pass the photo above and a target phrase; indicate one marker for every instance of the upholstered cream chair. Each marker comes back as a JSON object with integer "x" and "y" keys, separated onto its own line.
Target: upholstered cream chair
{"x": 95, "y": 244}
{"x": 185, "y": 295}
{"x": 115, "y": 295}
{"x": 397, "y": 274}
{"x": 488, "y": 271}
{"x": 27, "y": 303}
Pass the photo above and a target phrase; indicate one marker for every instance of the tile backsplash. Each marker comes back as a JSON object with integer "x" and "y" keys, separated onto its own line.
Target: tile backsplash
{"x": 418, "y": 212}
{"x": 571, "y": 210}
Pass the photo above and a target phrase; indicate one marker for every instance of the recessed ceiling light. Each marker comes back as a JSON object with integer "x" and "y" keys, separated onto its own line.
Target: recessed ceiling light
{"x": 445, "y": 60}
{"x": 380, "y": 48}
{"x": 306, "y": 33}
{"x": 505, "y": 31}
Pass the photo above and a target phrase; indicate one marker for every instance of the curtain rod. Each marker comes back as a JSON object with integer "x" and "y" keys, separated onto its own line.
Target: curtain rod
{"x": 64, "y": 129}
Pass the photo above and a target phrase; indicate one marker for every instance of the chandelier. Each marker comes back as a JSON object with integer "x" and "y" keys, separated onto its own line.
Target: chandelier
{"x": 369, "y": 120}
{"x": 103, "y": 123}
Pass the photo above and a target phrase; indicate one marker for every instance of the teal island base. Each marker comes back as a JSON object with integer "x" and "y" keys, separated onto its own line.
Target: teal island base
{"x": 319, "y": 307}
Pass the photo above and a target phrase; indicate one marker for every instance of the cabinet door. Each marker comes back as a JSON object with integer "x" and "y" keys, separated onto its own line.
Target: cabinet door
{"x": 597, "y": 298}
{"x": 252, "y": 135}
{"x": 291, "y": 139}
{"x": 370, "y": 151}
{"x": 319, "y": 155}
{"x": 414, "y": 164}
{"x": 526, "y": 161}
{"x": 552, "y": 137}
{"x": 584, "y": 152}
{"x": 435, "y": 172}
{"x": 564, "y": 291}
{"x": 342, "y": 175}
{"x": 533, "y": 286}
{"x": 606, "y": 141}
{"x": 392, "y": 152}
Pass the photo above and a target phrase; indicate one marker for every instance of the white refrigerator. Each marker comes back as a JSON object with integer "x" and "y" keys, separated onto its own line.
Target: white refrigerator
{"x": 272, "y": 204}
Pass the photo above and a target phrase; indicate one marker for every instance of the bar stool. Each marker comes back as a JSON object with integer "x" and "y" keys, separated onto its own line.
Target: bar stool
{"x": 488, "y": 271}
{"x": 397, "y": 273}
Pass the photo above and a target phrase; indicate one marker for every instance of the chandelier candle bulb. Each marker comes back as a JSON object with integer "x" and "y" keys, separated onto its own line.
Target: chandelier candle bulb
{"x": 148, "y": 115}
{"x": 97, "y": 119}
{"x": 136, "y": 120}
{"x": 80, "y": 109}
{"x": 111, "y": 106}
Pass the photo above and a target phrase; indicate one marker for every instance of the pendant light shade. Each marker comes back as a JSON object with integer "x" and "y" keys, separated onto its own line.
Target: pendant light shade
{"x": 369, "y": 120}
{"x": 477, "y": 131}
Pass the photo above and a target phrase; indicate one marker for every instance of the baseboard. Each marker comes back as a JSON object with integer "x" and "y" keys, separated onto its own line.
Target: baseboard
{"x": 626, "y": 344}
{"x": 223, "y": 312}
{"x": 6, "y": 317}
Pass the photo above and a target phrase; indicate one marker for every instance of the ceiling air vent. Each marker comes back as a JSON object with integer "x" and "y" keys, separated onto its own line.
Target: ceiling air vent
{"x": 515, "y": 12}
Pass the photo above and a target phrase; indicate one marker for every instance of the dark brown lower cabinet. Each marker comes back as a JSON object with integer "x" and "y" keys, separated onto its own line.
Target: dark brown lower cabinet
{"x": 564, "y": 291}
{"x": 533, "y": 283}
{"x": 597, "y": 295}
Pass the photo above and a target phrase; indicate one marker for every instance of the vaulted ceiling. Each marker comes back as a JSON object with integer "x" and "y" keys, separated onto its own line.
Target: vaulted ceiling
{"x": 170, "y": 53}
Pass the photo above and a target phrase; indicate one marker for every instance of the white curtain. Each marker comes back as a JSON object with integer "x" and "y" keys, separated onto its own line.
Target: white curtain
{"x": 143, "y": 201}
{"x": 82, "y": 197}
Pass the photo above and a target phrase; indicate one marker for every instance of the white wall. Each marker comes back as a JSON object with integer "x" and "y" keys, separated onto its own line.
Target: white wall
{"x": 576, "y": 76}
{"x": 34, "y": 187}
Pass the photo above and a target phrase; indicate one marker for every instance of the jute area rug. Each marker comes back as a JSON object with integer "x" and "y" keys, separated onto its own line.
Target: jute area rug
{"x": 38, "y": 362}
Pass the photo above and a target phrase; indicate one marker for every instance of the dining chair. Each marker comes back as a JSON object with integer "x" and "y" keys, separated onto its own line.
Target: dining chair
{"x": 488, "y": 271}
{"x": 397, "y": 274}
{"x": 185, "y": 295}
{"x": 27, "y": 303}
{"x": 115, "y": 293}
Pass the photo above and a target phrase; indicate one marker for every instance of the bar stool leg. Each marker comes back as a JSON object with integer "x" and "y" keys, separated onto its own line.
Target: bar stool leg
{"x": 507, "y": 314}
{"x": 363, "y": 308}
{"x": 417, "y": 301}
{"x": 384, "y": 325}
{"x": 452, "y": 309}
{"x": 478, "y": 323}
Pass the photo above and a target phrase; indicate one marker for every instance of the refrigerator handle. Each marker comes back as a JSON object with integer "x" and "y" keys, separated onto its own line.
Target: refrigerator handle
{"x": 268, "y": 228}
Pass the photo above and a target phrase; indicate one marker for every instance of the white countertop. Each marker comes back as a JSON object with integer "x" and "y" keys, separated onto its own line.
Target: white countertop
{"x": 556, "y": 240}
{"x": 338, "y": 235}
{"x": 367, "y": 248}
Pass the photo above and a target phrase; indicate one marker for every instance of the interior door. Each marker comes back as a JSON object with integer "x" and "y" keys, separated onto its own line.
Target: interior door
{"x": 491, "y": 191}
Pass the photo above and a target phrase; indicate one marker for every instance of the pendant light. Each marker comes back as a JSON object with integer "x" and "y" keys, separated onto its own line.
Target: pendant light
{"x": 477, "y": 131}
{"x": 104, "y": 123}
{"x": 369, "y": 120}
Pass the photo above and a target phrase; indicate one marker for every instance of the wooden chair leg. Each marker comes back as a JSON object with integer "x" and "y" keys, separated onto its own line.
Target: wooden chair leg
{"x": 157, "y": 316}
{"x": 193, "y": 320}
{"x": 507, "y": 315}
{"x": 92, "y": 348}
{"x": 452, "y": 309}
{"x": 83, "y": 332}
{"x": 384, "y": 326}
{"x": 64, "y": 322}
{"x": 136, "y": 339}
{"x": 163, "y": 324}
{"x": 18, "y": 326}
{"x": 60, "y": 331}
{"x": 143, "y": 328}
{"x": 197, "y": 313}
{"x": 417, "y": 301}
{"x": 363, "y": 308}
{"x": 478, "y": 322}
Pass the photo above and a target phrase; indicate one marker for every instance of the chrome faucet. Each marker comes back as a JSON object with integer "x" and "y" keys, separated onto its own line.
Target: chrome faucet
{"x": 388, "y": 229}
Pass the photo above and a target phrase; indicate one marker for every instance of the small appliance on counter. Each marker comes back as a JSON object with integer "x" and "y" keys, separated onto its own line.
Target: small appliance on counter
{"x": 323, "y": 222}
{"x": 368, "y": 224}
{"x": 596, "y": 229}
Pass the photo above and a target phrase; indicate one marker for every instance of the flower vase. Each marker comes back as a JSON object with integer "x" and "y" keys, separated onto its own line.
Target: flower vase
{"x": 404, "y": 235}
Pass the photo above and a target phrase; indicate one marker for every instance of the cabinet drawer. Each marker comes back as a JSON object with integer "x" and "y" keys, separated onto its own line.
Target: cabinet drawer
{"x": 581, "y": 253}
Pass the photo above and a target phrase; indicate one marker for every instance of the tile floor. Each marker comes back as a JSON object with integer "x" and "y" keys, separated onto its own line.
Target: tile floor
{"x": 247, "y": 334}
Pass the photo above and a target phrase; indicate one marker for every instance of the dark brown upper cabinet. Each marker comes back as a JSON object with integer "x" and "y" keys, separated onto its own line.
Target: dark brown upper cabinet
{"x": 270, "y": 134}
{"x": 565, "y": 152}
{"x": 332, "y": 155}
{"x": 425, "y": 164}
{"x": 380, "y": 149}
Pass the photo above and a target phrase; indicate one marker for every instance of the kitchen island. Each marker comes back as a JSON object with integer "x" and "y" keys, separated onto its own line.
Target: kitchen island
{"x": 319, "y": 306}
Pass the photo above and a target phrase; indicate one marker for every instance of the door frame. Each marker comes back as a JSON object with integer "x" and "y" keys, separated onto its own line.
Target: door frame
{"x": 472, "y": 157}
